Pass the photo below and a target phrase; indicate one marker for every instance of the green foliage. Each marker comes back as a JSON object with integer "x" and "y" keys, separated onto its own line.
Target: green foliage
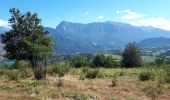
{"x": 3, "y": 71}
{"x": 58, "y": 68}
{"x": 99, "y": 60}
{"x": 110, "y": 62}
{"x": 12, "y": 75}
{"x": 146, "y": 75}
{"x": 40, "y": 73}
{"x": 21, "y": 66}
{"x": 85, "y": 69}
{"x": 159, "y": 61}
{"x": 152, "y": 91}
{"x": 167, "y": 74}
{"x": 93, "y": 73}
{"x": 131, "y": 56}
{"x": 79, "y": 61}
{"x": 121, "y": 73}
{"x": 27, "y": 40}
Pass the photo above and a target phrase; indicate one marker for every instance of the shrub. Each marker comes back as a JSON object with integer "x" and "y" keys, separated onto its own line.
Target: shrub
{"x": 82, "y": 77}
{"x": 85, "y": 69}
{"x": 21, "y": 66}
{"x": 58, "y": 68}
{"x": 146, "y": 75}
{"x": 79, "y": 61}
{"x": 12, "y": 75}
{"x": 40, "y": 73}
{"x": 99, "y": 60}
{"x": 152, "y": 91}
{"x": 167, "y": 74}
{"x": 121, "y": 73}
{"x": 110, "y": 62}
{"x": 92, "y": 73}
{"x": 114, "y": 81}
{"x": 3, "y": 71}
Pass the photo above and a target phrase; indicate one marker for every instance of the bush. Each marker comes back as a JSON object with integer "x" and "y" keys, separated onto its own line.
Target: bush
{"x": 58, "y": 68}
{"x": 146, "y": 75}
{"x": 40, "y": 73}
{"x": 99, "y": 60}
{"x": 85, "y": 69}
{"x": 114, "y": 81}
{"x": 12, "y": 75}
{"x": 167, "y": 74}
{"x": 3, "y": 71}
{"x": 121, "y": 73}
{"x": 21, "y": 66}
{"x": 92, "y": 74}
{"x": 152, "y": 91}
{"x": 79, "y": 61}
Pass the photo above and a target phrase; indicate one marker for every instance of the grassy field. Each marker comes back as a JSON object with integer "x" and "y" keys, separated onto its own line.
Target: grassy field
{"x": 73, "y": 86}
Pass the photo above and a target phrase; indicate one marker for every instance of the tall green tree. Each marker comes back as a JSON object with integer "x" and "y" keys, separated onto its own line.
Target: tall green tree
{"x": 27, "y": 39}
{"x": 131, "y": 56}
{"x": 99, "y": 60}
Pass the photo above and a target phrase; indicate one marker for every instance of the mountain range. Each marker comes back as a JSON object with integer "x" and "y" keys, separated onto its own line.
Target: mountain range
{"x": 99, "y": 36}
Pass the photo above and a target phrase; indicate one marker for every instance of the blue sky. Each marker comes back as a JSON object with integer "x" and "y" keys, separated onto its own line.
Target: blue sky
{"x": 154, "y": 13}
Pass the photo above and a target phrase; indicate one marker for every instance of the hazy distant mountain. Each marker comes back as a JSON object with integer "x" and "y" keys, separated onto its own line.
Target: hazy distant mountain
{"x": 99, "y": 36}
{"x": 155, "y": 42}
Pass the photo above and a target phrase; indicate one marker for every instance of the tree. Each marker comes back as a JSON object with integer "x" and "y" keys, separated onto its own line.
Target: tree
{"x": 27, "y": 40}
{"x": 111, "y": 62}
{"x": 99, "y": 60}
{"x": 131, "y": 56}
{"x": 159, "y": 61}
{"x": 79, "y": 61}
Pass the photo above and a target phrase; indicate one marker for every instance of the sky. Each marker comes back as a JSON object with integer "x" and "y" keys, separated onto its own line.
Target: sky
{"x": 154, "y": 13}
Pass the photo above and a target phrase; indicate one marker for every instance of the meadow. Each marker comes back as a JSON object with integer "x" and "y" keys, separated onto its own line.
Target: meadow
{"x": 86, "y": 84}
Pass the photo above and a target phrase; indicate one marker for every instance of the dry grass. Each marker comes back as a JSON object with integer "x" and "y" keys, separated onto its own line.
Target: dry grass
{"x": 128, "y": 87}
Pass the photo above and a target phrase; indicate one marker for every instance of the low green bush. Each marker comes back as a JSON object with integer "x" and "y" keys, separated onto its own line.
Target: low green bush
{"x": 85, "y": 69}
{"x": 40, "y": 73}
{"x": 12, "y": 75}
{"x": 58, "y": 68}
{"x": 167, "y": 74}
{"x": 152, "y": 91}
{"x": 146, "y": 75}
{"x": 22, "y": 68}
{"x": 92, "y": 73}
{"x": 3, "y": 71}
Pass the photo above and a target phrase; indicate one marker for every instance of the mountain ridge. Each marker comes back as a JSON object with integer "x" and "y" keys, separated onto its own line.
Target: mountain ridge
{"x": 100, "y": 36}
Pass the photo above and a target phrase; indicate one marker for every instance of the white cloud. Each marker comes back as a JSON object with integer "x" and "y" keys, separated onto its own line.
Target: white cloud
{"x": 4, "y": 23}
{"x": 87, "y": 13}
{"x": 159, "y": 22}
{"x": 100, "y": 17}
{"x": 117, "y": 12}
{"x": 131, "y": 15}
